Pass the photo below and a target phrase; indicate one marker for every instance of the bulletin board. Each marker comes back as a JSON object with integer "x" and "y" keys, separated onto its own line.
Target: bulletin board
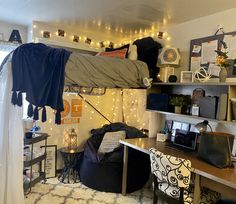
{"x": 202, "y": 53}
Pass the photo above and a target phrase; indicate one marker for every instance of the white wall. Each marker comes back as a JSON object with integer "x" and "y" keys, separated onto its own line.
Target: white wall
{"x": 67, "y": 40}
{"x": 110, "y": 105}
{"x": 6, "y": 28}
{"x": 202, "y": 27}
{"x": 89, "y": 119}
{"x": 181, "y": 34}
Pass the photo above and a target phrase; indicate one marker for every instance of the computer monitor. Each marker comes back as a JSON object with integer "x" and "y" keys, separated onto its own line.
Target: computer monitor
{"x": 186, "y": 139}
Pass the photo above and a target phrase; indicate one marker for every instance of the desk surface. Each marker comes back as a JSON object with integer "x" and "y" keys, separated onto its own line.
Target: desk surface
{"x": 226, "y": 176}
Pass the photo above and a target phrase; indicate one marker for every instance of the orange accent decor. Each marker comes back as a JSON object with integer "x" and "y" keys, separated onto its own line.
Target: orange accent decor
{"x": 70, "y": 120}
{"x": 76, "y": 107}
{"x": 66, "y": 108}
{"x": 117, "y": 53}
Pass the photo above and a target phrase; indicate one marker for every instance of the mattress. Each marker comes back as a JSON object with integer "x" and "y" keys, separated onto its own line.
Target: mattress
{"x": 105, "y": 72}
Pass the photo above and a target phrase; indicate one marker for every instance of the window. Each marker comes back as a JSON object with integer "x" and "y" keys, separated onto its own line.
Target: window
{"x": 3, "y": 54}
{"x": 5, "y": 49}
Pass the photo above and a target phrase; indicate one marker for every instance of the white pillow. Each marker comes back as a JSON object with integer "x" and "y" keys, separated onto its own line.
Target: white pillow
{"x": 110, "y": 141}
{"x": 132, "y": 53}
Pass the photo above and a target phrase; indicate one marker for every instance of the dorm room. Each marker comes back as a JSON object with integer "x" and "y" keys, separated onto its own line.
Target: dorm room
{"x": 117, "y": 102}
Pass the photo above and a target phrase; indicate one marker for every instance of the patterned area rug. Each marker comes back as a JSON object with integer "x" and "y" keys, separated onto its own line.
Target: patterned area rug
{"x": 54, "y": 192}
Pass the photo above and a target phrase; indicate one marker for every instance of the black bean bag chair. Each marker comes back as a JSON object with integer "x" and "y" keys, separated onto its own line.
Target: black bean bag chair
{"x": 105, "y": 173}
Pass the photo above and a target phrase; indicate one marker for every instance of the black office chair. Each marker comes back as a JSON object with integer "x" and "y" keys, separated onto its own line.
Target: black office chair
{"x": 172, "y": 177}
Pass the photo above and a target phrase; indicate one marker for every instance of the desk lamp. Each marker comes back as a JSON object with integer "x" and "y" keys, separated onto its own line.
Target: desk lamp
{"x": 169, "y": 58}
{"x": 202, "y": 126}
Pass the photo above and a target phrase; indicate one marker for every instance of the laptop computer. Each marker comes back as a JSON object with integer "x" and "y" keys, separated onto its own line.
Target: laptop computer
{"x": 183, "y": 136}
{"x": 185, "y": 139}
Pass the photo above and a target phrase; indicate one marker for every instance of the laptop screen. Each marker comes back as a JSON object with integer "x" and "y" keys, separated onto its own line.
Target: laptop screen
{"x": 185, "y": 138}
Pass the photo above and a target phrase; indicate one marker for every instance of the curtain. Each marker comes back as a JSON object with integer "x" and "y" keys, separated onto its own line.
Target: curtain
{"x": 11, "y": 143}
{"x": 134, "y": 108}
{"x": 8, "y": 46}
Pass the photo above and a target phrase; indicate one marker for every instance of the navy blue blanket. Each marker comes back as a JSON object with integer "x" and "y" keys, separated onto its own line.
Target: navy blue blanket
{"x": 38, "y": 70}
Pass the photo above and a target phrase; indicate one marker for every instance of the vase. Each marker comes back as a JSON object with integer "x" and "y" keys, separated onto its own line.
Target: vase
{"x": 223, "y": 74}
{"x": 178, "y": 109}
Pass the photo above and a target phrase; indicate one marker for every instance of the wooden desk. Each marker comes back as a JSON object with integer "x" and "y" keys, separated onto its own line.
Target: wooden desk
{"x": 221, "y": 180}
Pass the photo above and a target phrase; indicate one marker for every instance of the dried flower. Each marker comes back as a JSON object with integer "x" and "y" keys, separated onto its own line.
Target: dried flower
{"x": 222, "y": 58}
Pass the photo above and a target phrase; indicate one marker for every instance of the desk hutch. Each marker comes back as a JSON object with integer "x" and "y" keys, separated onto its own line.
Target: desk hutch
{"x": 211, "y": 89}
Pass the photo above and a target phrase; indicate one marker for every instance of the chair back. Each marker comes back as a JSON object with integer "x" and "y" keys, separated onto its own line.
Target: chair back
{"x": 169, "y": 169}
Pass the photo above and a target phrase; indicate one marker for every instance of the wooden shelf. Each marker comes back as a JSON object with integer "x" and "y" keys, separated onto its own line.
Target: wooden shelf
{"x": 192, "y": 117}
{"x": 34, "y": 161}
{"x": 38, "y": 160}
{"x": 210, "y": 88}
{"x": 36, "y": 139}
{"x": 194, "y": 84}
{"x": 41, "y": 177}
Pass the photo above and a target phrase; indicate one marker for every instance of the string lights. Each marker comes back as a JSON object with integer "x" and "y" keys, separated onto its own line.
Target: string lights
{"x": 98, "y": 44}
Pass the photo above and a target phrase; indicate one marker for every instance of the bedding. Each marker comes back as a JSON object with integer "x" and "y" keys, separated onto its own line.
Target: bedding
{"x": 102, "y": 71}
{"x": 116, "y": 53}
{"x": 41, "y": 72}
{"x": 127, "y": 46}
{"x": 131, "y": 53}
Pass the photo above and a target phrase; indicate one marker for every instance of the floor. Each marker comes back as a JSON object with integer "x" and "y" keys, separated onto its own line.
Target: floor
{"x": 54, "y": 192}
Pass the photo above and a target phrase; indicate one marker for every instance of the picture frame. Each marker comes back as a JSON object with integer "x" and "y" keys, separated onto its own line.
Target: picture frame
{"x": 51, "y": 160}
{"x": 186, "y": 77}
{"x": 61, "y": 33}
{"x": 46, "y": 34}
{"x": 76, "y": 38}
{"x": 102, "y": 44}
{"x": 88, "y": 40}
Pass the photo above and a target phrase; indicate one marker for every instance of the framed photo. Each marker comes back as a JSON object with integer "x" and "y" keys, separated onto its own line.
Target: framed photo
{"x": 1, "y": 36}
{"x": 61, "y": 32}
{"x": 186, "y": 77}
{"x": 88, "y": 41}
{"x": 46, "y": 34}
{"x": 102, "y": 44}
{"x": 51, "y": 160}
{"x": 76, "y": 38}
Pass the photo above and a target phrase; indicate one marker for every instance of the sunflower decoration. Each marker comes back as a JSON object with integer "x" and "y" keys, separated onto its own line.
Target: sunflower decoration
{"x": 222, "y": 57}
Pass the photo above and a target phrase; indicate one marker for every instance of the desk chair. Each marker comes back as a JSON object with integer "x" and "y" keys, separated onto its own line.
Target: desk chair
{"x": 172, "y": 176}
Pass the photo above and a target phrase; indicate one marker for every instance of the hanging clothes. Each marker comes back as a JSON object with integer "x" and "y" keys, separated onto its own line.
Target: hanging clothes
{"x": 38, "y": 70}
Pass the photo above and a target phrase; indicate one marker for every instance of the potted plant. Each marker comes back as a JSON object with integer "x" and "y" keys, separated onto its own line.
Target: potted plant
{"x": 178, "y": 102}
{"x": 223, "y": 62}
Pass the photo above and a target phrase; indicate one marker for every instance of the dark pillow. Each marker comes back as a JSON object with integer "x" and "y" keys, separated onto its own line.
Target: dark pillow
{"x": 108, "y": 49}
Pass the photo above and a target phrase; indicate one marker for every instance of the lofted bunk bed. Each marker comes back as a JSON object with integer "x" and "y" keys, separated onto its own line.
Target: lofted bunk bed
{"x": 44, "y": 73}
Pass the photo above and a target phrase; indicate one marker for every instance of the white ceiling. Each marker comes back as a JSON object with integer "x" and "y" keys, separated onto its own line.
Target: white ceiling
{"x": 125, "y": 15}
